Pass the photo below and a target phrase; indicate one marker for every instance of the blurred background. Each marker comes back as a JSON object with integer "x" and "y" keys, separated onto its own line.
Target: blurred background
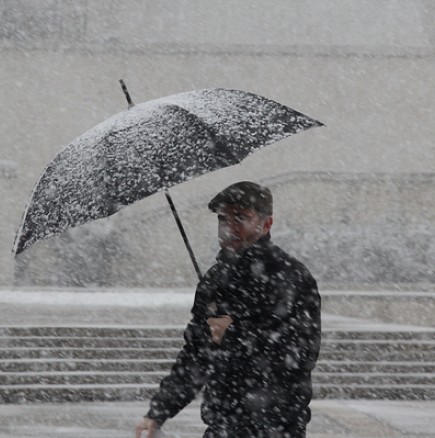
{"x": 353, "y": 200}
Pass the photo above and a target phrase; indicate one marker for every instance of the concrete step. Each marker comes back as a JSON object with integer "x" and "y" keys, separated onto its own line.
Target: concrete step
{"x": 97, "y": 331}
{"x": 375, "y": 391}
{"x": 75, "y": 393}
{"x": 373, "y": 334}
{"x": 170, "y": 353}
{"x": 377, "y": 345}
{"x": 177, "y": 332}
{"x": 374, "y": 355}
{"x": 81, "y": 378}
{"x": 40, "y": 364}
{"x": 140, "y": 365}
{"x": 89, "y": 353}
{"x": 400, "y": 367}
{"x": 135, "y": 392}
{"x": 88, "y": 342}
{"x": 371, "y": 354}
{"x": 104, "y": 377}
{"x": 374, "y": 378}
{"x": 328, "y": 344}
{"x": 115, "y": 365}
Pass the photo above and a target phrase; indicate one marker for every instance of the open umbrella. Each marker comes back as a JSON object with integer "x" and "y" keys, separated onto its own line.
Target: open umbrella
{"x": 149, "y": 148}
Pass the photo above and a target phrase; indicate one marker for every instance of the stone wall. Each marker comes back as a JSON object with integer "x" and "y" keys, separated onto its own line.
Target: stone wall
{"x": 350, "y": 230}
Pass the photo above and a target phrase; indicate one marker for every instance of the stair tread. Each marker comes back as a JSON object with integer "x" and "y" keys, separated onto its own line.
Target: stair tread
{"x": 348, "y": 365}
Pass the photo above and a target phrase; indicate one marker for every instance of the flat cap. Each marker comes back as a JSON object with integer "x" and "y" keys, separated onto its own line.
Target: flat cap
{"x": 245, "y": 194}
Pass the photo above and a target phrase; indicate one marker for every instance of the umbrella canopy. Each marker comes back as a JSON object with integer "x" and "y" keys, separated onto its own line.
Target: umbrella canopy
{"x": 149, "y": 148}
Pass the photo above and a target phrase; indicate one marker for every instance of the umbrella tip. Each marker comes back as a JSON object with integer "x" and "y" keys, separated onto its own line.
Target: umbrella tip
{"x": 15, "y": 251}
{"x": 126, "y": 93}
{"x": 18, "y": 247}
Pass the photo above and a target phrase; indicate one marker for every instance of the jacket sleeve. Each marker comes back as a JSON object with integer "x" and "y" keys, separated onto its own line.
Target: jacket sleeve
{"x": 188, "y": 374}
{"x": 286, "y": 326}
{"x": 186, "y": 379}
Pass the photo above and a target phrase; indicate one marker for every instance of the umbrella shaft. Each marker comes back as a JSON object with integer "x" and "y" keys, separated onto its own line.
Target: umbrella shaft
{"x": 183, "y": 234}
{"x": 126, "y": 93}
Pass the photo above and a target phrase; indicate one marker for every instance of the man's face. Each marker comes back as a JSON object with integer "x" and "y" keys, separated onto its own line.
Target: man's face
{"x": 239, "y": 227}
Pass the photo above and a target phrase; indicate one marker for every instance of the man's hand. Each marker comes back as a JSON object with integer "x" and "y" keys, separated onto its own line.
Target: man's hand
{"x": 147, "y": 424}
{"x": 218, "y": 326}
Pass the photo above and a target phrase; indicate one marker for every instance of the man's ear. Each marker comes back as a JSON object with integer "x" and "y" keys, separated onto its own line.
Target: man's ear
{"x": 267, "y": 224}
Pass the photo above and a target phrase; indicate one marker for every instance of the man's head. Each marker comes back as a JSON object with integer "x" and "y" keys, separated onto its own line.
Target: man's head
{"x": 244, "y": 212}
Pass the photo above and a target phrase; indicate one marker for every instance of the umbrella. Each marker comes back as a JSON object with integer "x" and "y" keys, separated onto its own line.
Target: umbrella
{"x": 148, "y": 148}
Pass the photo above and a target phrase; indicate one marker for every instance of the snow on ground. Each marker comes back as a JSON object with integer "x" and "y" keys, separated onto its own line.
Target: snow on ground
{"x": 146, "y": 306}
{"x": 149, "y": 297}
{"x": 331, "y": 419}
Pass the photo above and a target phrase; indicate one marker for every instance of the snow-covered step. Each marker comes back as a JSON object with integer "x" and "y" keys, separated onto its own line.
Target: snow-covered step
{"x": 103, "y": 377}
{"x": 97, "y": 331}
{"x": 328, "y": 343}
{"x": 372, "y": 354}
{"x": 87, "y": 342}
{"x": 138, "y": 365}
{"x": 399, "y": 367}
{"x": 177, "y": 332}
{"x": 81, "y": 378}
{"x": 415, "y": 334}
{"x": 134, "y": 392}
{"x": 168, "y": 347}
{"x": 378, "y": 354}
{"x": 377, "y": 345}
{"x": 89, "y": 353}
{"x": 75, "y": 393}
{"x": 116, "y": 365}
{"x": 375, "y": 391}
{"x": 374, "y": 378}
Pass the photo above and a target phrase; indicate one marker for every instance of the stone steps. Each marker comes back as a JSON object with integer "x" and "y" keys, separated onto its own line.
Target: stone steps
{"x": 78, "y": 378}
{"x": 135, "y": 392}
{"x": 159, "y": 332}
{"x": 374, "y": 355}
{"x": 57, "y": 364}
{"x": 378, "y": 335}
{"x": 140, "y": 365}
{"x": 89, "y": 353}
{"x": 92, "y": 332}
{"x": 117, "y": 365}
{"x": 375, "y": 391}
{"x": 389, "y": 345}
{"x": 379, "y": 366}
{"x": 104, "y": 377}
{"x": 373, "y": 378}
{"x": 19, "y": 394}
{"x": 328, "y": 354}
{"x": 40, "y": 342}
{"x": 88, "y": 342}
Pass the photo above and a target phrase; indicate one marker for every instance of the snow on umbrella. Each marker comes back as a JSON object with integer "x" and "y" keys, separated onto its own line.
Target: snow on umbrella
{"x": 149, "y": 148}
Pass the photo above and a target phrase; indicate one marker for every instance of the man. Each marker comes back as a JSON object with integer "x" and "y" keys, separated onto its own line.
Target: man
{"x": 255, "y": 353}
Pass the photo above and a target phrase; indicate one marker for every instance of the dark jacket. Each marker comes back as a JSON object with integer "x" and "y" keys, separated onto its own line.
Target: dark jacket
{"x": 260, "y": 376}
